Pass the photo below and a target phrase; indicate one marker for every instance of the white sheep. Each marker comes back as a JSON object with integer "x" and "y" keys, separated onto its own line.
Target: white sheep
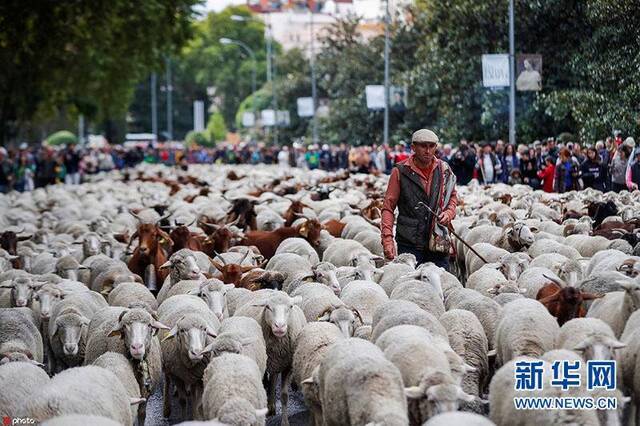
{"x": 120, "y": 366}
{"x": 313, "y": 343}
{"x": 616, "y": 307}
{"x": 525, "y": 329}
{"x": 80, "y": 420}
{"x": 20, "y": 333}
{"x": 390, "y": 274}
{"x": 398, "y": 312}
{"x": 243, "y": 336}
{"x": 424, "y": 294}
{"x": 184, "y": 347}
{"x": 281, "y": 322}
{"x": 345, "y": 252}
{"x": 458, "y": 418}
{"x": 299, "y": 246}
{"x": 588, "y": 245}
{"x": 549, "y": 246}
{"x": 484, "y": 308}
{"x": 611, "y": 260}
{"x": 184, "y": 266}
{"x": 315, "y": 300}
{"x": 590, "y": 336}
{"x": 233, "y": 391}
{"x": 292, "y": 266}
{"x": 20, "y": 380}
{"x": 126, "y": 293}
{"x": 533, "y": 279}
{"x": 81, "y": 390}
{"x": 365, "y": 297}
{"x": 358, "y": 385}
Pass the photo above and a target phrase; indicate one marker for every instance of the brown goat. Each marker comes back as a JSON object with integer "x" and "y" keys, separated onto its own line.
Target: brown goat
{"x": 334, "y": 227}
{"x": 153, "y": 248}
{"x": 258, "y": 279}
{"x": 232, "y": 272}
{"x": 564, "y": 302}
{"x": 293, "y": 212}
{"x": 268, "y": 241}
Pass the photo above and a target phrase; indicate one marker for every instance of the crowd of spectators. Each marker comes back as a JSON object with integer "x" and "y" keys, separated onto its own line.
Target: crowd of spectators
{"x": 610, "y": 164}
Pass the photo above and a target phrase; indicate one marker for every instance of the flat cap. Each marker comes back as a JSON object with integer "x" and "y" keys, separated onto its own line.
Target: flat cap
{"x": 424, "y": 136}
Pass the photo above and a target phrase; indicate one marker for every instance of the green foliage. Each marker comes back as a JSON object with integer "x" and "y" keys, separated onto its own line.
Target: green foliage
{"x": 62, "y": 137}
{"x": 81, "y": 54}
{"x": 216, "y": 129}
{"x": 198, "y": 138}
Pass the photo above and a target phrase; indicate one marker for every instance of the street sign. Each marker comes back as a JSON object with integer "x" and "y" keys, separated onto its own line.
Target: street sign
{"x": 305, "y": 107}
{"x": 375, "y": 96}
{"x": 495, "y": 70}
{"x": 268, "y": 117}
{"x": 283, "y": 118}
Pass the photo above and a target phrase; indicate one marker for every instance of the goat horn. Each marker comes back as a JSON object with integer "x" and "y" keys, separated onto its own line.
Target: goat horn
{"x": 560, "y": 283}
{"x": 191, "y": 223}
{"x": 211, "y": 225}
{"x": 224, "y": 262}
{"x": 245, "y": 256}
{"x": 163, "y": 218}
{"x": 134, "y": 215}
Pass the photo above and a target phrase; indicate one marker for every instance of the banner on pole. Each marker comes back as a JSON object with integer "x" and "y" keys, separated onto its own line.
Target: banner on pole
{"x": 283, "y": 119}
{"x": 268, "y": 117}
{"x": 198, "y": 116}
{"x": 495, "y": 70}
{"x": 305, "y": 107}
{"x": 248, "y": 119}
{"x": 529, "y": 72}
{"x": 375, "y": 96}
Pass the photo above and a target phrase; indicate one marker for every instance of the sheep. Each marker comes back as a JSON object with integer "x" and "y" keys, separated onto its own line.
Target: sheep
{"x": 345, "y": 252}
{"x": 21, "y": 289}
{"x": 347, "y": 319}
{"x": 485, "y": 275}
{"x": 68, "y": 328}
{"x": 68, "y": 267}
{"x": 315, "y": 300}
{"x": 398, "y": 312}
{"x": 108, "y": 275}
{"x": 458, "y": 418}
{"x": 357, "y": 385}
{"x": 183, "y": 266}
{"x": 314, "y": 341}
{"x": 183, "y": 359}
{"x": 512, "y": 238}
{"x": 48, "y": 295}
{"x": 292, "y": 266}
{"x": 525, "y": 329}
{"x": 365, "y": 297}
{"x": 258, "y": 279}
{"x": 510, "y": 264}
{"x": 81, "y": 390}
{"x": 422, "y": 294}
{"x": 533, "y": 279}
{"x": 126, "y": 293}
{"x": 213, "y": 292}
{"x": 233, "y": 391}
{"x": 588, "y": 246}
{"x": 390, "y": 274}
{"x": 425, "y": 369}
{"x": 281, "y": 323}
{"x": 370, "y": 239}
{"x": 20, "y": 333}
{"x": 325, "y": 273}
{"x": 119, "y": 365}
{"x": 628, "y": 365}
{"x": 485, "y": 309}
{"x": 241, "y": 335}
{"x": 607, "y": 260}
{"x": 616, "y": 307}
{"x": 19, "y": 381}
{"x": 299, "y": 246}
{"x": 468, "y": 339}
{"x": 237, "y": 297}
{"x": 549, "y": 246}
{"x": 590, "y": 336}
{"x": 602, "y": 282}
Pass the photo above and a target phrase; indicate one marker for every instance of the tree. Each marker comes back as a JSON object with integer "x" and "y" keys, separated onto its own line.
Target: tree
{"x": 216, "y": 129}
{"x": 82, "y": 55}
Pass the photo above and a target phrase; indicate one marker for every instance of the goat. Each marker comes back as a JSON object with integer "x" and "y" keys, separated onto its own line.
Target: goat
{"x": 232, "y": 272}
{"x": 152, "y": 252}
{"x": 268, "y": 241}
{"x": 243, "y": 213}
{"x": 334, "y": 227}
{"x": 562, "y": 301}
{"x": 292, "y": 213}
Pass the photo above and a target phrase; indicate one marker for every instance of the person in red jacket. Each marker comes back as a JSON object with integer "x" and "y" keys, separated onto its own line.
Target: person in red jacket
{"x": 547, "y": 174}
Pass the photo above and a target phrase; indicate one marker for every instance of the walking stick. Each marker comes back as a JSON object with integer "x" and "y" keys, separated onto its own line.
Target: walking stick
{"x": 452, "y": 231}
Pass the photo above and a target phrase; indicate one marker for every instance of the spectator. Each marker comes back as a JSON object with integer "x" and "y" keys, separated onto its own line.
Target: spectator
{"x": 6, "y": 171}
{"x": 593, "y": 170}
{"x": 446, "y": 153}
{"x": 635, "y": 171}
{"x": 463, "y": 163}
{"x": 72, "y": 165}
{"x": 325, "y": 158}
{"x": 618, "y": 168}
{"x": 45, "y": 168}
{"x": 509, "y": 162}
{"x": 489, "y": 167}
{"x": 567, "y": 172}
{"x": 528, "y": 169}
{"x": 547, "y": 174}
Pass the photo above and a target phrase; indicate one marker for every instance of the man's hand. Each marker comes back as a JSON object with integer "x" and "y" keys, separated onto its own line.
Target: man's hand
{"x": 444, "y": 218}
{"x": 389, "y": 248}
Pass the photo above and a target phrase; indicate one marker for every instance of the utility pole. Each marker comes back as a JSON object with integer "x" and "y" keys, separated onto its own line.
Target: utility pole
{"x": 314, "y": 88}
{"x": 169, "y": 101}
{"x": 81, "y": 129}
{"x": 270, "y": 74}
{"x": 512, "y": 77}
{"x": 154, "y": 106}
{"x": 386, "y": 73}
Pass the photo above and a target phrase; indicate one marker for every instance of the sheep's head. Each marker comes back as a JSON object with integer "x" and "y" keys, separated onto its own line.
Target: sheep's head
{"x": 71, "y": 328}
{"x": 91, "y": 244}
{"x": 21, "y": 290}
{"x": 183, "y": 266}
{"x": 571, "y": 272}
{"x": 228, "y": 343}
{"x": 430, "y": 274}
{"x": 48, "y": 295}
{"x": 513, "y": 264}
{"x": 598, "y": 346}
{"x": 345, "y": 318}
{"x": 240, "y": 411}
{"x": 407, "y": 259}
{"x": 441, "y": 393}
{"x": 191, "y": 332}
{"x": 68, "y": 267}
{"x": 137, "y": 327}
{"x": 521, "y": 234}
{"x": 325, "y": 273}
{"x": 630, "y": 267}
{"x": 505, "y": 287}
{"x": 214, "y": 292}
{"x": 277, "y": 309}
{"x": 8, "y": 357}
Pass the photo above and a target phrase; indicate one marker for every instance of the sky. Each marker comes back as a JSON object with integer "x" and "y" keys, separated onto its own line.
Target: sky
{"x": 218, "y": 5}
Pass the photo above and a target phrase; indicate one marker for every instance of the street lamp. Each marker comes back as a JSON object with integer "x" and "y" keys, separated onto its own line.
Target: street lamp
{"x": 225, "y": 40}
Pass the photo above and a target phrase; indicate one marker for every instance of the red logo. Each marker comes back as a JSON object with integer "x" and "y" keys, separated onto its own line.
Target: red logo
{"x": 6, "y": 420}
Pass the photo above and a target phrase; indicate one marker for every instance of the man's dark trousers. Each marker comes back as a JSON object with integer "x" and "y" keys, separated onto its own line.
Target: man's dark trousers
{"x": 424, "y": 256}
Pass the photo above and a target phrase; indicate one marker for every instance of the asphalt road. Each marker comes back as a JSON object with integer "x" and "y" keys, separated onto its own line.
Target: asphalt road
{"x": 298, "y": 413}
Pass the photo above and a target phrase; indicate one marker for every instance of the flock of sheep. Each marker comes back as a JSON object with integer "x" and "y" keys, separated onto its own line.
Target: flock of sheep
{"x": 270, "y": 277}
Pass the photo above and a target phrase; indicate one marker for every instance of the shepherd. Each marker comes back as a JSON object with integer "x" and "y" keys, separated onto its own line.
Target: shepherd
{"x": 422, "y": 179}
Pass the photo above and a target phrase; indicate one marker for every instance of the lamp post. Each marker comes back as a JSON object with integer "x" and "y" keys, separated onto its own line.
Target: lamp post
{"x": 512, "y": 77}
{"x": 225, "y": 40}
{"x": 386, "y": 73}
{"x": 314, "y": 90}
